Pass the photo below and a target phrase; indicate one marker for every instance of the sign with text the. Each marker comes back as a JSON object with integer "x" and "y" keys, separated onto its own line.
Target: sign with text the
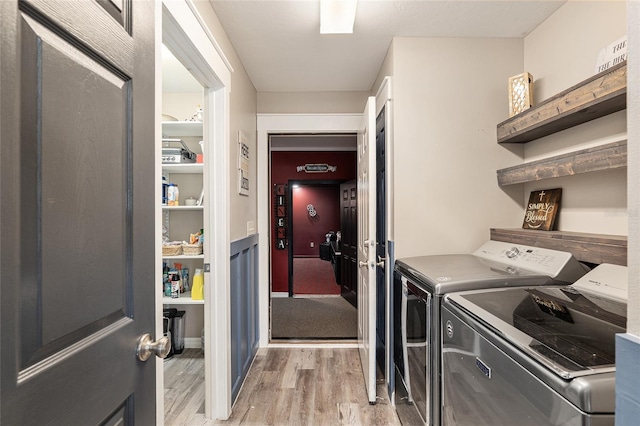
{"x": 611, "y": 55}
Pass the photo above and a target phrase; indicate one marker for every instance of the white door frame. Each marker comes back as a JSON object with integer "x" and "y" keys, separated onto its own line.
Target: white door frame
{"x": 283, "y": 124}
{"x": 183, "y": 30}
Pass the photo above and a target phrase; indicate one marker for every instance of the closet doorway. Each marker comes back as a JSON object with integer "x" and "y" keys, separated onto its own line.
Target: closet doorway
{"x": 306, "y": 172}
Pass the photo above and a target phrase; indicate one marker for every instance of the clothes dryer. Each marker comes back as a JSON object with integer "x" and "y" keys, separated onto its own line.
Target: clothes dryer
{"x": 420, "y": 283}
{"x": 534, "y": 355}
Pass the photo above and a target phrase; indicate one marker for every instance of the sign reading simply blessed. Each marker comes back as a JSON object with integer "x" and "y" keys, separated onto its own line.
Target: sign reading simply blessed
{"x": 542, "y": 209}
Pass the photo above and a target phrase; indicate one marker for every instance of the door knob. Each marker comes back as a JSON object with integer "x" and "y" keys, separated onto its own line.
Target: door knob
{"x": 362, "y": 264}
{"x": 381, "y": 260}
{"x": 146, "y": 347}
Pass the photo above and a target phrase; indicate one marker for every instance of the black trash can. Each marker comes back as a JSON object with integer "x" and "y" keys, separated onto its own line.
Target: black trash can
{"x": 177, "y": 333}
{"x": 168, "y": 316}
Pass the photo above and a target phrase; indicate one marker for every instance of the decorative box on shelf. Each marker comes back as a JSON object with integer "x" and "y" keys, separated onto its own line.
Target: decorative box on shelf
{"x": 520, "y": 93}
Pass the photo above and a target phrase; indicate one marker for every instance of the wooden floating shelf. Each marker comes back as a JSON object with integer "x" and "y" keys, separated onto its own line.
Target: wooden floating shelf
{"x": 602, "y": 94}
{"x": 604, "y": 157}
{"x": 591, "y": 248}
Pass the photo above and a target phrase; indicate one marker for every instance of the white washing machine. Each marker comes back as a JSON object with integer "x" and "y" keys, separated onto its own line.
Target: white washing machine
{"x": 534, "y": 355}
{"x": 420, "y": 283}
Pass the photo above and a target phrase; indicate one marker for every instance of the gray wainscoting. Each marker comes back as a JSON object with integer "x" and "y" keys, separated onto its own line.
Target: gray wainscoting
{"x": 627, "y": 376}
{"x": 244, "y": 308}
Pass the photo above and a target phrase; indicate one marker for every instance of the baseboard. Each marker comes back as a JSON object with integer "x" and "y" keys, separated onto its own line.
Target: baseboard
{"x": 192, "y": 342}
{"x": 279, "y": 294}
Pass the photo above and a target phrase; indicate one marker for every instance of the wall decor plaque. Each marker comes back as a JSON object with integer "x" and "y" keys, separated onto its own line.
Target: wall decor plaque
{"x": 542, "y": 209}
{"x": 520, "y": 93}
{"x": 280, "y": 205}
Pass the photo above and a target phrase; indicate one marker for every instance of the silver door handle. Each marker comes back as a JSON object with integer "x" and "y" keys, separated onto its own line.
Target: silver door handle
{"x": 146, "y": 347}
{"x": 381, "y": 261}
{"x": 362, "y": 264}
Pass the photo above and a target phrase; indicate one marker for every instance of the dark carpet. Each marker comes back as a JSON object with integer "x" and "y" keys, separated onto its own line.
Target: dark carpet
{"x": 312, "y": 275}
{"x": 329, "y": 317}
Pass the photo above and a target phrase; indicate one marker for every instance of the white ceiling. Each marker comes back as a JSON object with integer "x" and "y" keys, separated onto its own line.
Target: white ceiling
{"x": 281, "y": 48}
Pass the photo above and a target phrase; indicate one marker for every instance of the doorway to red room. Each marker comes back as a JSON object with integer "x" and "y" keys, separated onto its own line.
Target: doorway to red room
{"x": 314, "y": 238}
{"x": 305, "y": 298}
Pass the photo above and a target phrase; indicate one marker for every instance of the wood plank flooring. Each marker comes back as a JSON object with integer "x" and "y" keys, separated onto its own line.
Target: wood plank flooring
{"x": 184, "y": 388}
{"x": 285, "y": 386}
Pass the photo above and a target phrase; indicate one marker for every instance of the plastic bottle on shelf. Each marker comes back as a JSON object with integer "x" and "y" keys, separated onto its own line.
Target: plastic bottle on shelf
{"x": 197, "y": 289}
{"x": 175, "y": 286}
{"x": 184, "y": 273}
{"x": 165, "y": 185}
{"x": 178, "y": 268}
{"x": 173, "y": 195}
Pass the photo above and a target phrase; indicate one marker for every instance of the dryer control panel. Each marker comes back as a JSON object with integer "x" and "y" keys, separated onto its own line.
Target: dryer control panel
{"x": 553, "y": 263}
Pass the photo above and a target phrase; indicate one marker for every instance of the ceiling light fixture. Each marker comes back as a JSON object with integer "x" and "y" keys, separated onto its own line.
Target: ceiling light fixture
{"x": 337, "y": 16}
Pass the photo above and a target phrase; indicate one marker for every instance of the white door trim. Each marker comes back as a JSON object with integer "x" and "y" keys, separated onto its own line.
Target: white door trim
{"x": 183, "y": 32}
{"x": 284, "y": 123}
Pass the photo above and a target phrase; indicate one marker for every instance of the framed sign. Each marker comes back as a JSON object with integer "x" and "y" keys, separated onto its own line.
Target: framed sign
{"x": 243, "y": 164}
{"x": 280, "y": 205}
{"x": 542, "y": 209}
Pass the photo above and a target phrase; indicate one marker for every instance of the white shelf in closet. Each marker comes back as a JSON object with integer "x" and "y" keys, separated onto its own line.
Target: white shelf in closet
{"x": 182, "y": 128}
{"x": 184, "y": 299}
{"x": 183, "y": 208}
{"x": 192, "y": 168}
{"x": 184, "y": 256}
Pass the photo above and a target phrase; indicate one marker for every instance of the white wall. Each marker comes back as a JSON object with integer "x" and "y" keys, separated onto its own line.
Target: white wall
{"x": 560, "y": 53}
{"x": 243, "y": 118}
{"x": 449, "y": 95}
{"x": 181, "y": 105}
{"x": 386, "y": 70}
{"x": 633, "y": 109}
{"x": 311, "y": 102}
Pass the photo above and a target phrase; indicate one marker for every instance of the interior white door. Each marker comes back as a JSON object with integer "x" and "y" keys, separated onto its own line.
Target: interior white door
{"x": 367, "y": 246}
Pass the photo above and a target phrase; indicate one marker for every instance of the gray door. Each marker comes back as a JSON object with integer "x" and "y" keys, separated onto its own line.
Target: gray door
{"x": 77, "y": 228}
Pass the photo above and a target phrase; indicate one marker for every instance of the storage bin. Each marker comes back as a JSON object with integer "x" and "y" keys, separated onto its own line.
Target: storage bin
{"x": 171, "y": 249}
{"x": 191, "y": 249}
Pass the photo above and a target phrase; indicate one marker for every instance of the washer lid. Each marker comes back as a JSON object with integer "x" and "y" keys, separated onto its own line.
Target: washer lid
{"x": 569, "y": 331}
{"x": 494, "y": 264}
{"x": 441, "y": 274}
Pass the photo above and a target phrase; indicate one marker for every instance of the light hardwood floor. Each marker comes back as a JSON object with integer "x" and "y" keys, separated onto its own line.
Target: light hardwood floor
{"x": 285, "y": 386}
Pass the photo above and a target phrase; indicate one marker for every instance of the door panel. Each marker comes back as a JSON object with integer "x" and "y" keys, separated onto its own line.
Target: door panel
{"x": 77, "y": 243}
{"x": 381, "y": 232}
{"x": 349, "y": 229}
{"x": 82, "y": 198}
{"x": 367, "y": 247}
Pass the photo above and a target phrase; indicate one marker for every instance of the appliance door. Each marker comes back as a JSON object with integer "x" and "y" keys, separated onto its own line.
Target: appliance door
{"x": 483, "y": 385}
{"x": 415, "y": 315}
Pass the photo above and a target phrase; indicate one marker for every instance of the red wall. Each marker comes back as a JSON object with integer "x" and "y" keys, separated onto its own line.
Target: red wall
{"x": 308, "y": 229}
{"x": 284, "y": 166}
